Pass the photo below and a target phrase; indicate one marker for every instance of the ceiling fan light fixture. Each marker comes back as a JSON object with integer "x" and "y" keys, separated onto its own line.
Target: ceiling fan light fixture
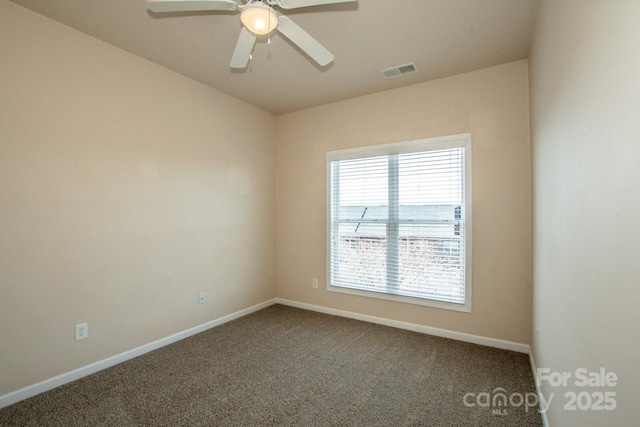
{"x": 259, "y": 18}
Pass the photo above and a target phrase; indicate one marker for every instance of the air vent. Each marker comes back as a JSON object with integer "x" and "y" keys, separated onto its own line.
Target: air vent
{"x": 399, "y": 70}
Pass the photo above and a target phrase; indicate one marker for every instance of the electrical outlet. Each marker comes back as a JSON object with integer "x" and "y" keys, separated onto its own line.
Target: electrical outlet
{"x": 537, "y": 338}
{"x": 314, "y": 283}
{"x": 201, "y": 298}
{"x": 82, "y": 331}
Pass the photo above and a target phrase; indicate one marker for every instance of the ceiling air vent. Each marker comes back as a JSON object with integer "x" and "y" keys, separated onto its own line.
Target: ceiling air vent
{"x": 399, "y": 70}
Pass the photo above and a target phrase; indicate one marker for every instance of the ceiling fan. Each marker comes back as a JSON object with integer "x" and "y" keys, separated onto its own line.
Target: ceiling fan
{"x": 259, "y": 17}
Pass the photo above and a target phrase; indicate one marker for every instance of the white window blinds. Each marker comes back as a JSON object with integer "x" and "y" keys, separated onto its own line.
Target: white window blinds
{"x": 397, "y": 221}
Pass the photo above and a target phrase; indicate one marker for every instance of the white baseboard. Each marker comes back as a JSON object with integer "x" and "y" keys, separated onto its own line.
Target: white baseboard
{"x": 532, "y": 362}
{"x": 445, "y": 333}
{"x": 51, "y": 383}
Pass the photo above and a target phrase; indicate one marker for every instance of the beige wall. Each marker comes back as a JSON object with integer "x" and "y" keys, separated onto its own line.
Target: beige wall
{"x": 491, "y": 104}
{"x": 585, "y": 93}
{"x": 124, "y": 190}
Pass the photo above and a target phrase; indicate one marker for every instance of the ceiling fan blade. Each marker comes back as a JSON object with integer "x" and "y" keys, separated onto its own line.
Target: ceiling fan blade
{"x": 304, "y": 41}
{"x": 190, "y": 5}
{"x": 242, "y": 53}
{"x": 294, "y": 4}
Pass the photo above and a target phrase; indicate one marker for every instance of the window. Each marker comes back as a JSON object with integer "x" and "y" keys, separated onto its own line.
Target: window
{"x": 398, "y": 222}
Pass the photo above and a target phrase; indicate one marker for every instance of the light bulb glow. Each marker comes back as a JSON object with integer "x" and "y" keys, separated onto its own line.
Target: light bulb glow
{"x": 259, "y": 18}
{"x": 259, "y": 24}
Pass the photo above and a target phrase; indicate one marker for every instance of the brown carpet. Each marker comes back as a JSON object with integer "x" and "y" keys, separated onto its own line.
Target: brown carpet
{"x": 290, "y": 367}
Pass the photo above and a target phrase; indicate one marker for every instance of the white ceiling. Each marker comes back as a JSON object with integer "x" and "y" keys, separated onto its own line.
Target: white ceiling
{"x": 443, "y": 38}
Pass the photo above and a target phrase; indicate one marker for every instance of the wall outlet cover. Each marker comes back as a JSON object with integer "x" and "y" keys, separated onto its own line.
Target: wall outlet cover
{"x": 82, "y": 331}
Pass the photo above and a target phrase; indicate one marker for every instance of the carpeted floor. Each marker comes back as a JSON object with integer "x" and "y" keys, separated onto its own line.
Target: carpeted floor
{"x": 290, "y": 367}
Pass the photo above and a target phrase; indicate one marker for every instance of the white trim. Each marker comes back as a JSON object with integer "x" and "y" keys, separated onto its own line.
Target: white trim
{"x": 445, "y": 333}
{"x": 67, "y": 377}
{"x": 543, "y": 415}
{"x": 426, "y": 144}
{"x": 468, "y": 224}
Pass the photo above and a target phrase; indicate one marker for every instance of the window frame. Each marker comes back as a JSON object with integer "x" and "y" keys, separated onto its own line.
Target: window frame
{"x": 415, "y": 146}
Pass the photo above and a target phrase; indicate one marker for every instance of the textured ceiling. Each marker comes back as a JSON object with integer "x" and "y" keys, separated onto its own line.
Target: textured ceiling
{"x": 443, "y": 38}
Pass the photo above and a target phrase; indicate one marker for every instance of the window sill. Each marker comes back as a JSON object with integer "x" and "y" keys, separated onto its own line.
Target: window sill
{"x": 465, "y": 308}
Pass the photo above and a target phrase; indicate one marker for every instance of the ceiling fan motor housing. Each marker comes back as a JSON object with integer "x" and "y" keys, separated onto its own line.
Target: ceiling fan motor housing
{"x": 259, "y": 18}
